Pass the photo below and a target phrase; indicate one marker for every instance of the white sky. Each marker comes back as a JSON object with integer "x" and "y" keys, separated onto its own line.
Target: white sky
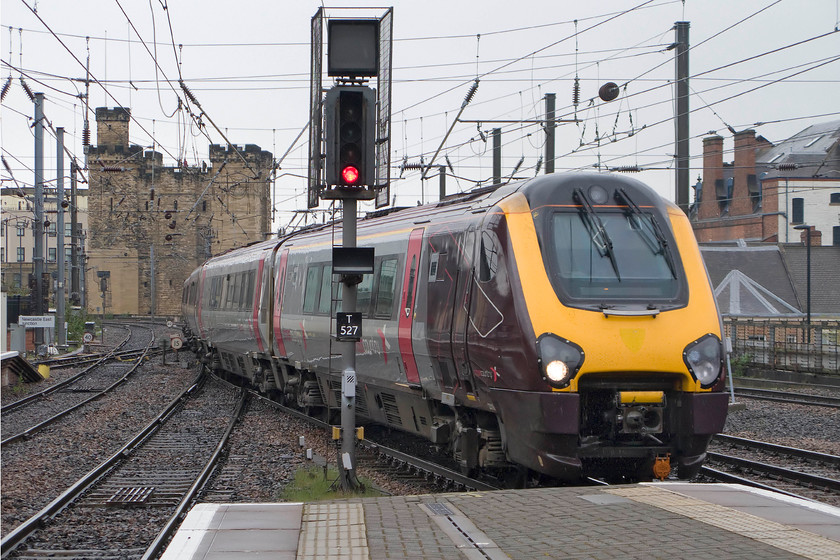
{"x": 248, "y": 65}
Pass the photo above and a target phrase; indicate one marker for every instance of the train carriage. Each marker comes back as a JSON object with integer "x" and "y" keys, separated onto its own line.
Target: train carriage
{"x": 564, "y": 325}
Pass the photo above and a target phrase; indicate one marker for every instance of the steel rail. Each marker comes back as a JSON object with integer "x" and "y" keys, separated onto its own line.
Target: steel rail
{"x": 778, "y": 472}
{"x": 36, "y": 428}
{"x": 200, "y": 482}
{"x": 23, "y": 531}
{"x": 825, "y": 458}
{"x": 735, "y": 479}
{"x": 58, "y": 386}
{"x": 426, "y": 466}
{"x": 788, "y": 397}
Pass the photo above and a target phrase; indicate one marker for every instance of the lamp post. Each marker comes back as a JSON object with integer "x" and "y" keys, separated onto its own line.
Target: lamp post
{"x": 807, "y": 229}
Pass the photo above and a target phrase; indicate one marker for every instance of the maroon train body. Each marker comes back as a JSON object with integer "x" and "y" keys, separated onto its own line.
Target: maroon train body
{"x": 564, "y": 325}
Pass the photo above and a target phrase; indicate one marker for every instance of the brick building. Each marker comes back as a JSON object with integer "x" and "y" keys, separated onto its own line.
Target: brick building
{"x": 768, "y": 189}
{"x": 151, "y": 225}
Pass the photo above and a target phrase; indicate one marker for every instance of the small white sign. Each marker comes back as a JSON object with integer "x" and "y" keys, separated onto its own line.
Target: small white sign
{"x": 37, "y": 321}
{"x": 88, "y": 337}
{"x": 176, "y": 343}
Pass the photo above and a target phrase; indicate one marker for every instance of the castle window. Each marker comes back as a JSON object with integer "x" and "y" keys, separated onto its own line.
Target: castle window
{"x": 835, "y": 198}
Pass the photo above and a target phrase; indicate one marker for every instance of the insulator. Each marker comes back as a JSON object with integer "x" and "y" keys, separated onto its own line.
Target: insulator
{"x": 518, "y": 165}
{"x": 628, "y": 169}
{"x": 112, "y": 169}
{"x": 539, "y": 166}
{"x": 86, "y": 136}
{"x": 449, "y": 163}
{"x": 470, "y": 94}
{"x": 26, "y": 89}
{"x": 6, "y": 87}
{"x": 787, "y": 167}
{"x": 576, "y": 92}
{"x": 413, "y": 166}
{"x": 187, "y": 92}
{"x": 172, "y": 224}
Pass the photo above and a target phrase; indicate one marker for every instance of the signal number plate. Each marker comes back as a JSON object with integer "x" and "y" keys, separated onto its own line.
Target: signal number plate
{"x": 348, "y": 326}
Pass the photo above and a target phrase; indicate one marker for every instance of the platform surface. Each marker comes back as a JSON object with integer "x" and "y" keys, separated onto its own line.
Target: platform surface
{"x": 645, "y": 521}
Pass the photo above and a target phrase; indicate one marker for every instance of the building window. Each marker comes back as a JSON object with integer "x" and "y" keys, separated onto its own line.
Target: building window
{"x": 51, "y": 254}
{"x": 754, "y": 188}
{"x": 21, "y": 230}
{"x": 835, "y": 236}
{"x": 835, "y": 198}
{"x": 16, "y": 280}
{"x": 797, "y": 214}
{"x": 2, "y": 254}
{"x": 21, "y": 254}
{"x": 723, "y": 192}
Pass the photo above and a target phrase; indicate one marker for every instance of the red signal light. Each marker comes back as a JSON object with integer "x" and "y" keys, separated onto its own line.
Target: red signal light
{"x": 350, "y": 175}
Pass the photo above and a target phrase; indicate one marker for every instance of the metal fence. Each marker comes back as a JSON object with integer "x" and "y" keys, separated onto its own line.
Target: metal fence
{"x": 786, "y": 345}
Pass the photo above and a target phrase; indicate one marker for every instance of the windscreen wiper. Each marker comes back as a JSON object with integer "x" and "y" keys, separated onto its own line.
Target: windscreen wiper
{"x": 653, "y": 228}
{"x": 596, "y": 229}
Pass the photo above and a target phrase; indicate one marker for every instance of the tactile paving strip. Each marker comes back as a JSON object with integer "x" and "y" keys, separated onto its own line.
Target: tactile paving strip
{"x": 333, "y": 531}
{"x": 768, "y": 532}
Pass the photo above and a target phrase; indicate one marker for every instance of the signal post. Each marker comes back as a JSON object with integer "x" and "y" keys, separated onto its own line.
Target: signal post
{"x": 353, "y": 166}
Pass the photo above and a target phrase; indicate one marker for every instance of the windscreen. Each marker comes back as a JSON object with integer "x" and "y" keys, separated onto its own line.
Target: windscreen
{"x": 614, "y": 256}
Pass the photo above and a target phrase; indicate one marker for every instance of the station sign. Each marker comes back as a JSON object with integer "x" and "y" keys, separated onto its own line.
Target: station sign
{"x": 37, "y": 321}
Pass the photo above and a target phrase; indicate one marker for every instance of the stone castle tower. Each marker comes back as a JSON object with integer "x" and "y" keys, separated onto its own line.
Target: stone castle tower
{"x": 150, "y": 225}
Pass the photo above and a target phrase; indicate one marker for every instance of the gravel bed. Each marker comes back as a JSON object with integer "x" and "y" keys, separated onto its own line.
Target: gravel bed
{"x": 181, "y": 447}
{"x": 813, "y": 428}
{"x": 264, "y": 454}
{"x": 38, "y": 470}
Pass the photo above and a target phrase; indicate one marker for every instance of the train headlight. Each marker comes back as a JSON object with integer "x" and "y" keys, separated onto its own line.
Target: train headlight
{"x": 703, "y": 359}
{"x": 560, "y": 359}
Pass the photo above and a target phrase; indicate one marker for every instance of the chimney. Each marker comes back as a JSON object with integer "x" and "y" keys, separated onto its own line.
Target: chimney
{"x": 712, "y": 176}
{"x": 746, "y": 183}
{"x": 816, "y": 237}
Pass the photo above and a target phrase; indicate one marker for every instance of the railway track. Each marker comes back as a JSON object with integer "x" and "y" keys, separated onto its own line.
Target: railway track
{"x": 23, "y": 418}
{"x": 790, "y": 470}
{"x": 130, "y": 504}
{"x": 788, "y": 397}
{"x": 393, "y": 462}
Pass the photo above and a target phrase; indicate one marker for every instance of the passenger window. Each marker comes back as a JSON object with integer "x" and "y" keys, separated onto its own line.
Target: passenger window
{"x": 409, "y": 296}
{"x": 247, "y": 298}
{"x": 326, "y": 292}
{"x": 385, "y": 288}
{"x": 363, "y": 294}
{"x": 488, "y": 261}
{"x": 313, "y": 283}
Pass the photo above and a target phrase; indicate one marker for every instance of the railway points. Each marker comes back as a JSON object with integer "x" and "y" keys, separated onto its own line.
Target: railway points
{"x": 631, "y": 521}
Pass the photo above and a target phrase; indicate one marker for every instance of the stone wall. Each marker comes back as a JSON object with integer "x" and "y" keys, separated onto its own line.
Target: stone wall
{"x": 168, "y": 219}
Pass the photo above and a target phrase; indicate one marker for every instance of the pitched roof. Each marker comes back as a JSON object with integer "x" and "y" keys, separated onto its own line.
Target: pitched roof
{"x": 825, "y": 276}
{"x": 763, "y": 286}
{"x": 738, "y": 294}
{"x": 809, "y": 150}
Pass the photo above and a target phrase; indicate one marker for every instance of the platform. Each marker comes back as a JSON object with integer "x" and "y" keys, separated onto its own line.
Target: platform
{"x": 644, "y": 521}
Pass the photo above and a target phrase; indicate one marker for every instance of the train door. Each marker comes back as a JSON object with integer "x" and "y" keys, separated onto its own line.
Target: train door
{"x": 460, "y": 317}
{"x": 407, "y": 302}
{"x": 279, "y": 290}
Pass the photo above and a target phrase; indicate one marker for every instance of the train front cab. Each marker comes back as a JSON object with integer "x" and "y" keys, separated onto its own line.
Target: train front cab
{"x": 628, "y": 339}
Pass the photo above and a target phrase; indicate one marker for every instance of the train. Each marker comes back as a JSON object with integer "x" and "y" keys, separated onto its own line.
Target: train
{"x": 562, "y": 326}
